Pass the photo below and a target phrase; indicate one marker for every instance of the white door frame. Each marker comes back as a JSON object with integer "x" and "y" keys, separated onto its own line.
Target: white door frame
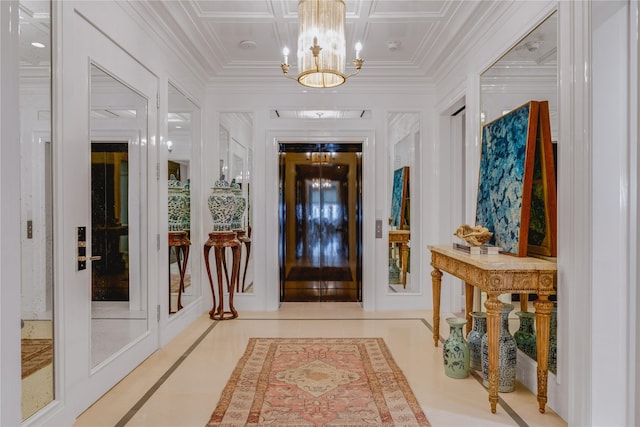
{"x": 266, "y": 229}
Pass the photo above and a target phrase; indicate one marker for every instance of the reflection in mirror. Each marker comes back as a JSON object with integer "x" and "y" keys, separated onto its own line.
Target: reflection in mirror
{"x": 118, "y": 132}
{"x": 403, "y": 137}
{"x": 528, "y": 72}
{"x": 183, "y": 133}
{"x": 236, "y": 148}
{"x": 36, "y": 188}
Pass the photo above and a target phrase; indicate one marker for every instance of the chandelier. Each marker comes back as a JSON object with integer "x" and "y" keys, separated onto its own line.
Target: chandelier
{"x": 318, "y": 158}
{"x": 321, "y": 45}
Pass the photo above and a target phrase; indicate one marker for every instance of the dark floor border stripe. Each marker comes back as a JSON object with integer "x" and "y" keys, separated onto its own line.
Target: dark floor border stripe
{"x": 508, "y": 409}
{"x": 140, "y": 403}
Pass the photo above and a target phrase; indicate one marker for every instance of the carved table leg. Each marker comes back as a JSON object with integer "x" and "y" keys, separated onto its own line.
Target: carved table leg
{"x": 235, "y": 273}
{"x": 494, "y": 308}
{"x": 219, "y": 310}
{"x": 224, "y": 265}
{"x": 404, "y": 259}
{"x": 468, "y": 294}
{"x": 436, "y": 281}
{"x": 543, "y": 314}
{"x": 524, "y": 302}
{"x": 207, "y": 248}
{"x": 181, "y": 270}
{"x": 247, "y": 244}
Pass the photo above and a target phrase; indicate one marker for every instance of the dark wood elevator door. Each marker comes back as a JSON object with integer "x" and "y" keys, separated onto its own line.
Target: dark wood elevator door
{"x": 320, "y": 222}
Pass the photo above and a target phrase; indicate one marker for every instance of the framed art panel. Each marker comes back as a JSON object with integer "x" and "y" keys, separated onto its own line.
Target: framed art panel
{"x": 542, "y": 220}
{"x": 505, "y": 177}
{"x": 399, "y": 196}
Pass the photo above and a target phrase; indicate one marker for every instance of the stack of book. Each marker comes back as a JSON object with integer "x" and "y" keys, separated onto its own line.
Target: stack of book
{"x": 478, "y": 250}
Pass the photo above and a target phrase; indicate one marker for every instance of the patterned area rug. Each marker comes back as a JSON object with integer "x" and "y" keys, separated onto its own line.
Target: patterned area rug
{"x": 317, "y": 382}
{"x": 36, "y": 354}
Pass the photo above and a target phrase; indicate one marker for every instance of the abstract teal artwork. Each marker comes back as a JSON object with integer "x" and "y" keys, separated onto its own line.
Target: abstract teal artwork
{"x": 506, "y": 170}
{"x": 398, "y": 196}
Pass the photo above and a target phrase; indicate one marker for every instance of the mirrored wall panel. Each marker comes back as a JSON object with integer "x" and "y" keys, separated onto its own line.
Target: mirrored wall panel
{"x": 236, "y": 152}
{"x": 527, "y": 72}
{"x": 36, "y": 231}
{"x": 404, "y": 139}
{"x": 118, "y": 135}
{"x": 183, "y": 134}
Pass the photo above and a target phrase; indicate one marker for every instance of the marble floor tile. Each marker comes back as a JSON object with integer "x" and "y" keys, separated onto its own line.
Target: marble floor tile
{"x": 188, "y": 396}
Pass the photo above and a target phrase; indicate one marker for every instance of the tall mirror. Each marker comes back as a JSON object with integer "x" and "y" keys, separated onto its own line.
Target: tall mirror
{"x": 118, "y": 135}
{"x": 36, "y": 205}
{"x": 236, "y": 151}
{"x": 183, "y": 127}
{"x": 527, "y": 72}
{"x": 404, "y": 140}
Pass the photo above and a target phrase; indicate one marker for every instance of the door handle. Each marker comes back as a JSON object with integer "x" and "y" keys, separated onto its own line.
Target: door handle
{"x": 95, "y": 258}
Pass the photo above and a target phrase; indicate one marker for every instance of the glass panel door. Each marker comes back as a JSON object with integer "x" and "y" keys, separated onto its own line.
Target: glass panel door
{"x": 118, "y": 205}
{"x": 36, "y": 205}
{"x": 183, "y": 119}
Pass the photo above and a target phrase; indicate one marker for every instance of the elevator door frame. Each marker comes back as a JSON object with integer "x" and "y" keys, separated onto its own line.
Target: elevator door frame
{"x": 321, "y": 147}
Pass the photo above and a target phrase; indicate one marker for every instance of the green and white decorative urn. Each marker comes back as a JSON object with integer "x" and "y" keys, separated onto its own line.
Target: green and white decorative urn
{"x": 456, "y": 350}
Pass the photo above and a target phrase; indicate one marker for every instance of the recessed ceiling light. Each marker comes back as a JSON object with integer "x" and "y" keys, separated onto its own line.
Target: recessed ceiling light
{"x": 248, "y": 44}
{"x": 37, "y": 44}
{"x": 178, "y": 127}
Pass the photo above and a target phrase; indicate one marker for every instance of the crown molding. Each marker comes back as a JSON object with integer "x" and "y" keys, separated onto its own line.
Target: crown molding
{"x": 152, "y": 23}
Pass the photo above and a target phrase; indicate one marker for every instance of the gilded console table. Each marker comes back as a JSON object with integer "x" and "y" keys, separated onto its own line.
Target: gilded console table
{"x": 496, "y": 275}
{"x": 402, "y": 238}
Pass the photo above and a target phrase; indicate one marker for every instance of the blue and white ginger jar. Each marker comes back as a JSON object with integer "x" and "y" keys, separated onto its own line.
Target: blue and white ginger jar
{"x": 222, "y": 205}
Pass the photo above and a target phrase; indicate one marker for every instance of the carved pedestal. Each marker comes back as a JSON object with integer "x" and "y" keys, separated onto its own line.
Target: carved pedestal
{"x": 220, "y": 241}
{"x": 179, "y": 241}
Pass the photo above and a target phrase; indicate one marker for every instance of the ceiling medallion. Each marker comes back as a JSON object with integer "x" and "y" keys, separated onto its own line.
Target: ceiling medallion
{"x": 321, "y": 45}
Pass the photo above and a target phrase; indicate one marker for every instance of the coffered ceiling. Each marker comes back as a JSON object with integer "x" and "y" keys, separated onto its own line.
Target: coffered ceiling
{"x": 243, "y": 39}
{"x": 239, "y": 42}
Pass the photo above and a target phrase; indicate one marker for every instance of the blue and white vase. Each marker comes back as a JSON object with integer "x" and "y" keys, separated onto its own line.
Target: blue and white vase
{"x": 553, "y": 340}
{"x": 177, "y": 202}
{"x": 507, "y": 355}
{"x": 241, "y": 204}
{"x": 186, "y": 217}
{"x": 222, "y": 205}
{"x": 525, "y": 336}
{"x": 456, "y": 350}
{"x": 474, "y": 339}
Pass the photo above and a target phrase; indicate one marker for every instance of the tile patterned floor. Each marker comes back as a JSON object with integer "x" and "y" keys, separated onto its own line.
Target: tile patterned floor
{"x": 184, "y": 392}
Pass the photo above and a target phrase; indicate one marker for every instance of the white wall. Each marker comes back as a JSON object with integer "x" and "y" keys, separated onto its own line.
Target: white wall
{"x": 512, "y": 21}
{"x": 595, "y": 380}
{"x": 110, "y": 19}
{"x": 376, "y": 162}
{"x": 611, "y": 287}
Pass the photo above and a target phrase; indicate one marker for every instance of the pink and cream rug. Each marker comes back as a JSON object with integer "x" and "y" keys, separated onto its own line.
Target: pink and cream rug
{"x": 317, "y": 382}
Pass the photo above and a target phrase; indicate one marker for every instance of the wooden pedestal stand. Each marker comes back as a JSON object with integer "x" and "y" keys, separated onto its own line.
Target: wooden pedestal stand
{"x": 220, "y": 240}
